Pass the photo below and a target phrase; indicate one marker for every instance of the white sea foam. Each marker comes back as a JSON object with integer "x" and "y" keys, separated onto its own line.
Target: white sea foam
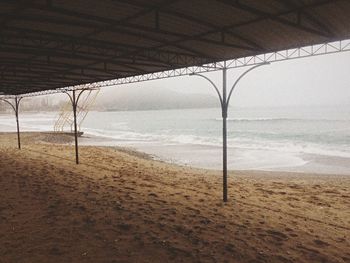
{"x": 236, "y": 142}
{"x": 256, "y": 141}
{"x": 281, "y": 120}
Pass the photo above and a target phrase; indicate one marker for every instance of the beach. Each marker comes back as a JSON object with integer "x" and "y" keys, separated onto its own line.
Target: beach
{"x": 304, "y": 140}
{"x": 120, "y": 205}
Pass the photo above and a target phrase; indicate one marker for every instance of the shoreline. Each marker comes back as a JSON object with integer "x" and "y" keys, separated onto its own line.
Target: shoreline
{"x": 311, "y": 163}
{"x": 148, "y": 152}
{"x": 270, "y": 147}
{"x": 66, "y": 139}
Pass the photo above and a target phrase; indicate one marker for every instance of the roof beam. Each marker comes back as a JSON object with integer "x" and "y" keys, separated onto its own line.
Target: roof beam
{"x": 110, "y": 24}
{"x": 7, "y": 18}
{"x": 22, "y": 69}
{"x": 69, "y": 39}
{"x": 66, "y": 41}
{"x": 116, "y": 29}
{"x": 305, "y": 14}
{"x": 161, "y": 56}
{"x": 196, "y": 20}
{"x": 62, "y": 66}
{"x": 277, "y": 16}
{"x": 94, "y": 32}
{"x": 53, "y": 53}
{"x": 76, "y": 53}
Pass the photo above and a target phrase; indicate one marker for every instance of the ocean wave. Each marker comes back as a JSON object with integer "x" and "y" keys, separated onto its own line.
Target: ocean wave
{"x": 251, "y": 144}
{"x": 295, "y": 148}
{"x": 281, "y": 119}
{"x": 283, "y": 138}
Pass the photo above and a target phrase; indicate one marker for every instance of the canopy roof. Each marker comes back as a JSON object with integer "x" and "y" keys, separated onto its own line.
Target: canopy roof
{"x": 50, "y": 44}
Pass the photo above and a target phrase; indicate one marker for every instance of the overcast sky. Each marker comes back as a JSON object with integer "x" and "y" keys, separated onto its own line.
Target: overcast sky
{"x": 320, "y": 80}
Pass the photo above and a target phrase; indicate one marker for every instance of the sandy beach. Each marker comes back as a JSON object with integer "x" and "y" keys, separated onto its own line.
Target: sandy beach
{"x": 122, "y": 206}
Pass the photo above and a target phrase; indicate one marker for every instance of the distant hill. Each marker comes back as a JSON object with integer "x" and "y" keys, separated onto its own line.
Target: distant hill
{"x": 153, "y": 99}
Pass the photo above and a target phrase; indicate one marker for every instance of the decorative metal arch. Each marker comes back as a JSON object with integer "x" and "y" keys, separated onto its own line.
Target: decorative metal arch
{"x": 15, "y": 106}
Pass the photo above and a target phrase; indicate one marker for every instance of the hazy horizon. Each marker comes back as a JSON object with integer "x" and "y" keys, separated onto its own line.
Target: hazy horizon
{"x": 313, "y": 81}
{"x": 320, "y": 80}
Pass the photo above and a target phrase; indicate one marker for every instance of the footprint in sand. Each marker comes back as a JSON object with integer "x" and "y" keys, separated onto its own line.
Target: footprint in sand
{"x": 321, "y": 243}
{"x": 277, "y": 235}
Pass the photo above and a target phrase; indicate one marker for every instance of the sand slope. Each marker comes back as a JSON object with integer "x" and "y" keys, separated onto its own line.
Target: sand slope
{"x": 119, "y": 207}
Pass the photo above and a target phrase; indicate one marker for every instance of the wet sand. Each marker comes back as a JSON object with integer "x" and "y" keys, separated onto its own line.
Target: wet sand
{"x": 210, "y": 157}
{"x": 122, "y": 206}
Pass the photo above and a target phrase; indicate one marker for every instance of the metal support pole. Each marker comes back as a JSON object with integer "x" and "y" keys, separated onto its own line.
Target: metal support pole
{"x": 74, "y": 104}
{"x": 224, "y": 101}
{"x": 15, "y": 108}
{"x": 224, "y": 134}
{"x": 17, "y": 122}
{"x": 74, "y": 100}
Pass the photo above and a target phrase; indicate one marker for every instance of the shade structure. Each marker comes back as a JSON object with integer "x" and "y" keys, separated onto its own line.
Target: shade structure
{"x": 51, "y": 44}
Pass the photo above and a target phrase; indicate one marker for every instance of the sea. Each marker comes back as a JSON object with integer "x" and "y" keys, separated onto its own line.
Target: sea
{"x": 297, "y": 139}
